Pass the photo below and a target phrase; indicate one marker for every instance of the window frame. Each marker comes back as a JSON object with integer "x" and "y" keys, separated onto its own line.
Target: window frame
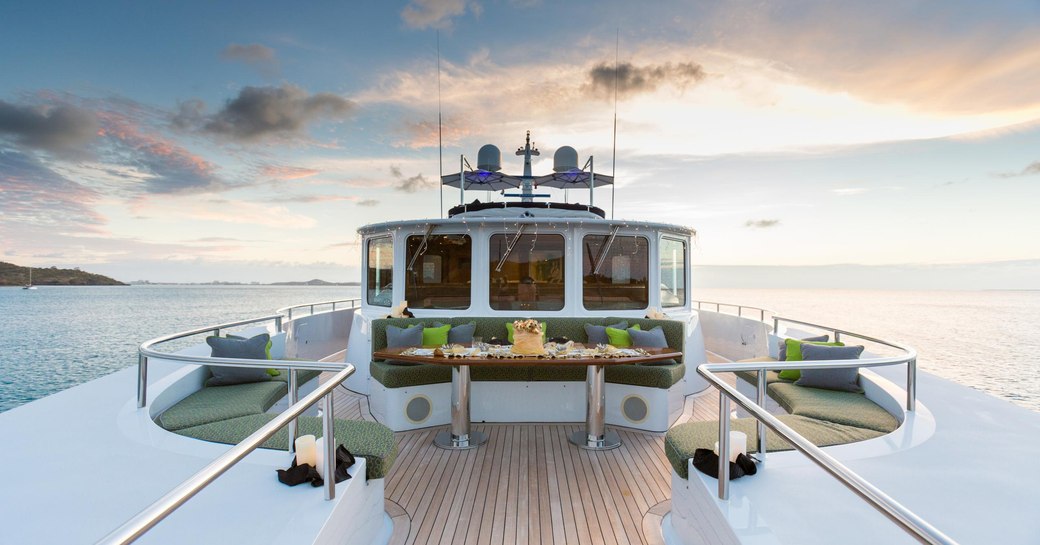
{"x": 419, "y": 261}
{"x": 368, "y": 269}
{"x": 489, "y": 281}
{"x": 581, "y": 276}
{"x": 686, "y": 267}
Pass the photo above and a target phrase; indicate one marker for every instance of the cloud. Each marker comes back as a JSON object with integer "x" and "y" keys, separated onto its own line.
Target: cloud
{"x": 62, "y": 130}
{"x": 847, "y": 191}
{"x": 263, "y": 112}
{"x": 761, "y": 224}
{"x": 32, "y": 194}
{"x": 283, "y": 172}
{"x": 1030, "y": 170}
{"x": 436, "y": 13}
{"x": 258, "y": 56}
{"x": 368, "y": 202}
{"x": 632, "y": 79}
{"x": 412, "y": 184}
{"x": 424, "y": 134}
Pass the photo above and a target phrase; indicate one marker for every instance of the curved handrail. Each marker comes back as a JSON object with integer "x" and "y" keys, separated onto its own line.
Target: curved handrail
{"x": 289, "y": 310}
{"x": 889, "y": 507}
{"x": 740, "y": 308}
{"x": 134, "y": 528}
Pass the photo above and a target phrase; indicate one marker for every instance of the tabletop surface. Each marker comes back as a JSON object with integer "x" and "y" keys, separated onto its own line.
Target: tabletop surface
{"x": 651, "y": 355}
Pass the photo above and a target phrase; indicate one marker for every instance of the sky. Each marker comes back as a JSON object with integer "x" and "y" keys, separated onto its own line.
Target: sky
{"x": 889, "y": 144}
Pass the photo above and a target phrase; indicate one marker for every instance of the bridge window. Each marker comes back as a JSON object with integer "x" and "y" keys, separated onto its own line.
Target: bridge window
{"x": 380, "y": 273}
{"x": 527, "y": 272}
{"x": 438, "y": 274}
{"x": 615, "y": 273}
{"x": 673, "y": 272}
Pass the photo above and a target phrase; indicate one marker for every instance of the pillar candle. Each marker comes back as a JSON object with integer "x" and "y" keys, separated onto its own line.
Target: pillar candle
{"x": 306, "y": 450}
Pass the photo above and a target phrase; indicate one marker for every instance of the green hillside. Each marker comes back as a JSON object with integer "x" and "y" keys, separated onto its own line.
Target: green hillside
{"x": 13, "y": 275}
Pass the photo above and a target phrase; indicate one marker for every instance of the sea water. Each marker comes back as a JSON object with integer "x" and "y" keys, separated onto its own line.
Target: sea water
{"x": 54, "y": 338}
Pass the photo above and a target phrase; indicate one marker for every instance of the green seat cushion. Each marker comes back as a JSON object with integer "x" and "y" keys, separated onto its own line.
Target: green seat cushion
{"x": 303, "y": 376}
{"x": 681, "y": 441}
{"x": 370, "y": 440}
{"x": 399, "y": 376}
{"x": 559, "y": 373}
{"x": 651, "y": 376}
{"x": 216, "y": 403}
{"x": 771, "y": 377}
{"x": 848, "y": 408}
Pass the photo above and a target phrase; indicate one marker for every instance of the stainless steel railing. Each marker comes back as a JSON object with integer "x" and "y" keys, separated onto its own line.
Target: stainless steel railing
{"x": 889, "y": 507}
{"x": 163, "y": 507}
{"x": 739, "y": 308}
{"x": 289, "y": 310}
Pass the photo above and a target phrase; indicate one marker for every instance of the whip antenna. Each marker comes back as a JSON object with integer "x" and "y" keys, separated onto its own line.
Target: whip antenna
{"x": 613, "y": 153}
{"x": 440, "y": 138}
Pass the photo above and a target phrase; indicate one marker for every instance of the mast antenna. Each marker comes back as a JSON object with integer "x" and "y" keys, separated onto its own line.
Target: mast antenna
{"x": 613, "y": 153}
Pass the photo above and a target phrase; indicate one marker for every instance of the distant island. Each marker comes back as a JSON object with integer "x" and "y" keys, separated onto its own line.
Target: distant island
{"x": 15, "y": 275}
{"x": 314, "y": 282}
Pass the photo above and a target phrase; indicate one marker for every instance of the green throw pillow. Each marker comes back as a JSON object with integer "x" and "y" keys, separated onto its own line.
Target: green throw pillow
{"x": 794, "y": 353}
{"x": 435, "y": 336}
{"x": 271, "y": 372}
{"x": 619, "y": 337}
{"x": 509, "y": 328}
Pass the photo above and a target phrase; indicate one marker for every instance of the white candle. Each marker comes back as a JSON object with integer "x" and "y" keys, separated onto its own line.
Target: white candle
{"x": 737, "y": 445}
{"x": 319, "y": 458}
{"x": 306, "y": 450}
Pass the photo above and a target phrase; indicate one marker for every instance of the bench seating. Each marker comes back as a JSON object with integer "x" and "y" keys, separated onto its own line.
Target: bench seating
{"x": 824, "y": 417}
{"x": 396, "y": 375}
{"x": 229, "y": 414}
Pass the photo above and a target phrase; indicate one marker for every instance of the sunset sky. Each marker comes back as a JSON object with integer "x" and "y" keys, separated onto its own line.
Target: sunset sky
{"x": 247, "y": 141}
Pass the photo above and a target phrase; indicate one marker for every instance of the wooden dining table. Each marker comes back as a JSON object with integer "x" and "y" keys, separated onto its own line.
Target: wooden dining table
{"x": 594, "y": 437}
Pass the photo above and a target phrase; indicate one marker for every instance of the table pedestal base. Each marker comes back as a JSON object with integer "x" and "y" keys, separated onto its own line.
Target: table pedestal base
{"x": 610, "y": 440}
{"x": 445, "y": 440}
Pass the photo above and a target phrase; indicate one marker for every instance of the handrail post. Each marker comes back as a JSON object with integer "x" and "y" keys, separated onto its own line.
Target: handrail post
{"x": 278, "y": 325}
{"x": 142, "y": 380}
{"x": 216, "y": 332}
{"x": 911, "y": 384}
{"x": 760, "y": 396}
{"x": 290, "y": 314}
{"x": 723, "y": 446}
{"x": 762, "y": 315}
{"x": 329, "y": 433}
{"x": 294, "y": 394}
{"x": 776, "y": 325}
{"x": 837, "y": 336}
{"x": 333, "y": 306}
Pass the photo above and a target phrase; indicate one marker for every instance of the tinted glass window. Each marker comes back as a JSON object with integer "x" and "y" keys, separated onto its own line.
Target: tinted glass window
{"x": 380, "y": 274}
{"x": 673, "y": 273}
{"x": 439, "y": 275}
{"x": 531, "y": 277}
{"x": 621, "y": 279}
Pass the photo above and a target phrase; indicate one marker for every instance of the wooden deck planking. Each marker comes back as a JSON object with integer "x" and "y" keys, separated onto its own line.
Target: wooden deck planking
{"x": 528, "y": 484}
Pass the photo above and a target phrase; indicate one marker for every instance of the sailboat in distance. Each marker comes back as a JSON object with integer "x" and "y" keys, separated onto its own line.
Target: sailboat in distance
{"x": 30, "y": 285}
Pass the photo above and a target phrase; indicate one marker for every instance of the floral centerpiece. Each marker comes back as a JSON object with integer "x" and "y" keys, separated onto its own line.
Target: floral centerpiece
{"x": 527, "y": 338}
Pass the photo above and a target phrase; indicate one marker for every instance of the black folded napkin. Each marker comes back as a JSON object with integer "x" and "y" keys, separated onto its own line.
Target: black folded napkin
{"x": 298, "y": 474}
{"x": 559, "y": 340}
{"x": 497, "y": 342}
{"x": 707, "y": 462}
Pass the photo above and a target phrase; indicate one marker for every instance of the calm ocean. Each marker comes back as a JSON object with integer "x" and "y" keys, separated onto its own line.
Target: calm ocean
{"x": 57, "y": 337}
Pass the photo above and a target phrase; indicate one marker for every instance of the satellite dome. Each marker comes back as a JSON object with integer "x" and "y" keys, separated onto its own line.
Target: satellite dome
{"x": 489, "y": 158}
{"x": 565, "y": 159}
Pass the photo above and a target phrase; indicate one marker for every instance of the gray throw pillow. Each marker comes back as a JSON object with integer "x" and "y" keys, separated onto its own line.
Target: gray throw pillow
{"x": 597, "y": 334}
{"x": 782, "y": 354}
{"x": 460, "y": 334}
{"x": 843, "y": 380}
{"x": 254, "y": 348}
{"x": 401, "y": 337}
{"x": 653, "y": 338}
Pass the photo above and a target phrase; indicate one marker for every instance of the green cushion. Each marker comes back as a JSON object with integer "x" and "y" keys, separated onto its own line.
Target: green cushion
{"x": 370, "y": 440}
{"x": 303, "y": 376}
{"x": 620, "y": 337}
{"x": 651, "y": 376}
{"x": 752, "y": 377}
{"x": 435, "y": 336}
{"x": 849, "y": 408}
{"x": 509, "y": 330}
{"x": 400, "y": 376}
{"x": 794, "y": 353}
{"x": 216, "y": 403}
{"x": 681, "y": 441}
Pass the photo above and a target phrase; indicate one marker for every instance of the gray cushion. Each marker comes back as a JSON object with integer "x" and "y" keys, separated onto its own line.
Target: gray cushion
{"x": 653, "y": 338}
{"x": 782, "y": 354}
{"x": 249, "y": 349}
{"x": 460, "y": 334}
{"x": 597, "y": 334}
{"x": 400, "y": 337}
{"x": 844, "y": 380}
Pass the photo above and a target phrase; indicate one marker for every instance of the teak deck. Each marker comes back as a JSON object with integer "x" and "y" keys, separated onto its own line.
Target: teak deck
{"x": 528, "y": 485}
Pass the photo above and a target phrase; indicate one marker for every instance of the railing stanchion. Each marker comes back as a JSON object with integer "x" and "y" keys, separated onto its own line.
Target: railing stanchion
{"x": 761, "y": 400}
{"x": 329, "y": 433}
{"x": 290, "y": 314}
{"x": 278, "y": 325}
{"x": 837, "y": 336}
{"x": 294, "y": 394}
{"x": 723, "y": 446}
{"x": 911, "y": 384}
{"x": 142, "y": 380}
